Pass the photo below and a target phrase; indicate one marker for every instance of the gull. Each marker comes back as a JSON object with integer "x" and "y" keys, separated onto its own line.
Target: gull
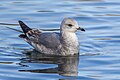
{"x": 64, "y": 43}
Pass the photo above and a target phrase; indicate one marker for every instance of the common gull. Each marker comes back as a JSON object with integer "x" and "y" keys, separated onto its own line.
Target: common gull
{"x": 64, "y": 43}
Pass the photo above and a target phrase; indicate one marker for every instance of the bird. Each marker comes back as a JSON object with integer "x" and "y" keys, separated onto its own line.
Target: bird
{"x": 64, "y": 43}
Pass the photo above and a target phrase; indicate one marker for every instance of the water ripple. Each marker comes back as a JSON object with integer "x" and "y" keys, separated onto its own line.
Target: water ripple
{"x": 99, "y": 45}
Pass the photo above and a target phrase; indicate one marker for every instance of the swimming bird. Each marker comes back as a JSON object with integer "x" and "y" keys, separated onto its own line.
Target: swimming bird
{"x": 64, "y": 43}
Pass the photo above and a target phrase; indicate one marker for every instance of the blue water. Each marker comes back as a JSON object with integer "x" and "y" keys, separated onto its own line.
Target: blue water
{"x": 99, "y": 57}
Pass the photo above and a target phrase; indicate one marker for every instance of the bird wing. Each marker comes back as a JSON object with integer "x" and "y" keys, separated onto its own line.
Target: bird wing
{"x": 49, "y": 40}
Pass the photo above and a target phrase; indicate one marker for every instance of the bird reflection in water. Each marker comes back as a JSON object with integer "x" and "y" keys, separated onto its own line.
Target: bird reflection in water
{"x": 67, "y": 66}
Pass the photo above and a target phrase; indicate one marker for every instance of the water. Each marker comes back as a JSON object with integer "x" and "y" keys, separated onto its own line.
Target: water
{"x": 99, "y": 54}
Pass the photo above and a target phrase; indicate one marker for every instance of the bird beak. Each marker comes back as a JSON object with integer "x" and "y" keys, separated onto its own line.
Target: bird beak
{"x": 80, "y": 29}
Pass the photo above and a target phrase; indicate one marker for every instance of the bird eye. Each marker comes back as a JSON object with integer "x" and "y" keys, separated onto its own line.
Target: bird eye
{"x": 70, "y": 25}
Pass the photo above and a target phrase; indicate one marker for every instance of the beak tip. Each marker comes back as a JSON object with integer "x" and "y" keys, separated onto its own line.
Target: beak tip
{"x": 83, "y": 29}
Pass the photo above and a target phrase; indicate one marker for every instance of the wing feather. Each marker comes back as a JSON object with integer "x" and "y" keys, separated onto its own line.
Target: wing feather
{"x": 36, "y": 36}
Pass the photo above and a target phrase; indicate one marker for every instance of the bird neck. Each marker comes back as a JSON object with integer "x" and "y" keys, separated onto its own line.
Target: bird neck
{"x": 69, "y": 39}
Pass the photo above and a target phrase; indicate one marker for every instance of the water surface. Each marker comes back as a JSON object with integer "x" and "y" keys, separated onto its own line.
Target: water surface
{"x": 99, "y": 49}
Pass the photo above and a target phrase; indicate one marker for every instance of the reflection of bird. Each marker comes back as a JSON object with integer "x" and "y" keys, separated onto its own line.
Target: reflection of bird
{"x": 63, "y": 43}
{"x": 66, "y": 66}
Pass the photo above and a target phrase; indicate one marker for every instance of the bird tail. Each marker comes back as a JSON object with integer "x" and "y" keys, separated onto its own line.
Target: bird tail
{"x": 24, "y": 27}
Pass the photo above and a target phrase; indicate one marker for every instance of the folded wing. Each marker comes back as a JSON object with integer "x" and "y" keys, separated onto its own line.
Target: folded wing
{"x": 49, "y": 40}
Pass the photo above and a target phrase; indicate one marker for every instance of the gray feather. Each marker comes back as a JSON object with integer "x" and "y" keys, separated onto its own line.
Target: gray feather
{"x": 50, "y": 40}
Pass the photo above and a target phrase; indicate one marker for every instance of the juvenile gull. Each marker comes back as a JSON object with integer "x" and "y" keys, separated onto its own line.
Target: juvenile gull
{"x": 63, "y": 43}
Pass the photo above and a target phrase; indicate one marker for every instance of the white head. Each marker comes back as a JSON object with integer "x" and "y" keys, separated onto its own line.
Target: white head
{"x": 70, "y": 25}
